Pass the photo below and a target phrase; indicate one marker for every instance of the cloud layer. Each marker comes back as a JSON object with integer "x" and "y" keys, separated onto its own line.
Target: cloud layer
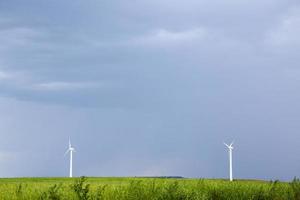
{"x": 150, "y": 87}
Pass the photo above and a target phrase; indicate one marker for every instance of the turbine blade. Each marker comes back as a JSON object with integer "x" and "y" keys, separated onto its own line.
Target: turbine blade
{"x": 66, "y": 152}
{"x": 231, "y": 143}
{"x": 70, "y": 143}
{"x": 226, "y": 145}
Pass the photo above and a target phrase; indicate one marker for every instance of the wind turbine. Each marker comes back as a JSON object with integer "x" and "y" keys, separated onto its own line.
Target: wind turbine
{"x": 71, "y": 150}
{"x": 230, "y": 148}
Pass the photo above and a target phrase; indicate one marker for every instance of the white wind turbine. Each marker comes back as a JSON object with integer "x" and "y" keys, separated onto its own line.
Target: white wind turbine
{"x": 71, "y": 150}
{"x": 230, "y": 148}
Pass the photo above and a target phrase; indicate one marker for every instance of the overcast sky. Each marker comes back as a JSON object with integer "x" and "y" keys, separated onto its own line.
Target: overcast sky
{"x": 150, "y": 87}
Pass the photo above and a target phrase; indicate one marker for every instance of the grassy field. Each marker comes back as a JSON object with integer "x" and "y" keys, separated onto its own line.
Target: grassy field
{"x": 145, "y": 189}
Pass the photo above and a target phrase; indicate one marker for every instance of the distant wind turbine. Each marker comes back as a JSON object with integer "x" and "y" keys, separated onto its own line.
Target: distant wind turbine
{"x": 71, "y": 150}
{"x": 230, "y": 148}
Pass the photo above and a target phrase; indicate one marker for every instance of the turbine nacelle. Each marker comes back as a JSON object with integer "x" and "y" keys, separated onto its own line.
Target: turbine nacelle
{"x": 230, "y": 147}
{"x": 71, "y": 149}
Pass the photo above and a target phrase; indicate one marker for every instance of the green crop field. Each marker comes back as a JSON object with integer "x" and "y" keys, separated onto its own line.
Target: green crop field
{"x": 145, "y": 189}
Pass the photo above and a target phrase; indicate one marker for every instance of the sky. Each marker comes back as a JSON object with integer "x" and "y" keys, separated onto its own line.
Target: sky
{"x": 150, "y": 87}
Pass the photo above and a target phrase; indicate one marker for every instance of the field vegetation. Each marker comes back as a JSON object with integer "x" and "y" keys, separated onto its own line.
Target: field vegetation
{"x": 145, "y": 189}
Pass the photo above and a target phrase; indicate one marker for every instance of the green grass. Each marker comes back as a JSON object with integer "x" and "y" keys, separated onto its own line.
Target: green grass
{"x": 145, "y": 189}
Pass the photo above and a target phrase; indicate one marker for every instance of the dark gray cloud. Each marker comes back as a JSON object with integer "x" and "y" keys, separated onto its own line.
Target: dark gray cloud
{"x": 150, "y": 87}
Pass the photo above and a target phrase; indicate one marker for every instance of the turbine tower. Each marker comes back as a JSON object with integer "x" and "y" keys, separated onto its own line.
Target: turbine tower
{"x": 71, "y": 150}
{"x": 230, "y": 148}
